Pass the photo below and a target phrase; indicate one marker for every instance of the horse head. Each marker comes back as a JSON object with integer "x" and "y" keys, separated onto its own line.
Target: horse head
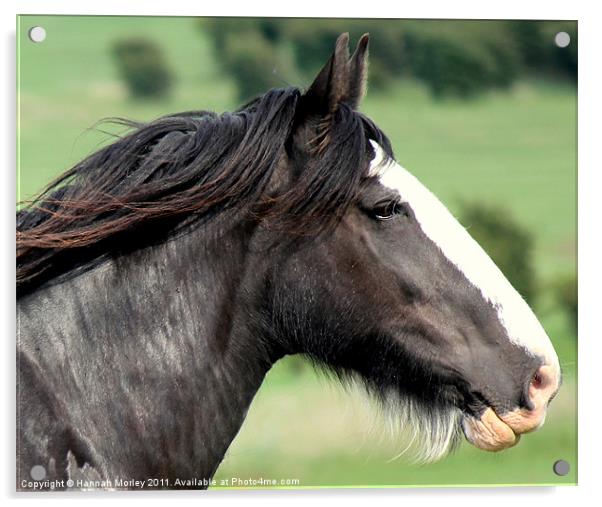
{"x": 397, "y": 293}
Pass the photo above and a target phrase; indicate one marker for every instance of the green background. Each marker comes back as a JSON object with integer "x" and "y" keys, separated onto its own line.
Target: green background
{"x": 516, "y": 148}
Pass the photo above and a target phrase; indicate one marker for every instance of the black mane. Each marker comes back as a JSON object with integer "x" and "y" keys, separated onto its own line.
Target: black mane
{"x": 196, "y": 164}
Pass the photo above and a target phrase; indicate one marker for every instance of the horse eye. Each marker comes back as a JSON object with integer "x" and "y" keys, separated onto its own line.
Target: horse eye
{"x": 388, "y": 210}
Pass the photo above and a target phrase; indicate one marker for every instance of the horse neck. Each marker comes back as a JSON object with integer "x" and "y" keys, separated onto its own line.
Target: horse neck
{"x": 162, "y": 344}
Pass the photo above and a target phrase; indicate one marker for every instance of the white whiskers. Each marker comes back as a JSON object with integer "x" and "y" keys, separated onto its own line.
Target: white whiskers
{"x": 423, "y": 433}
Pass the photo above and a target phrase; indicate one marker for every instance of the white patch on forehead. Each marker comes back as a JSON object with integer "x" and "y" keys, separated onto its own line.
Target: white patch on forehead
{"x": 466, "y": 254}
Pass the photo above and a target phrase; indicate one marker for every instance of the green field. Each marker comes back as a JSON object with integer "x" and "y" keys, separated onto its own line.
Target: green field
{"x": 515, "y": 148}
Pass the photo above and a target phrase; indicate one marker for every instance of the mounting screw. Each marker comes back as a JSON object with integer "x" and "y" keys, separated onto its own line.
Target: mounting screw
{"x": 561, "y": 467}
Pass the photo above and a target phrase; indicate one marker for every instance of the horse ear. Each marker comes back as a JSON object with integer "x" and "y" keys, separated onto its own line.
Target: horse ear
{"x": 358, "y": 72}
{"x": 331, "y": 85}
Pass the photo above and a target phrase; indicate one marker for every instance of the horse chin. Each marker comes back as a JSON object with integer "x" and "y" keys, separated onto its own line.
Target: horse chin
{"x": 488, "y": 432}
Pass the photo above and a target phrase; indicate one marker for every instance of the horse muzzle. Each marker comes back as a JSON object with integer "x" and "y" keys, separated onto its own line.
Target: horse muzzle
{"x": 494, "y": 432}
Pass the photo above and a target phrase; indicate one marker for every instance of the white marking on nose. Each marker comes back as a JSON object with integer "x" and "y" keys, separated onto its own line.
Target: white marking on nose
{"x": 466, "y": 254}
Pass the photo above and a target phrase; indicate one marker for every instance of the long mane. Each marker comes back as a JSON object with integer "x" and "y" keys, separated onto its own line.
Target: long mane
{"x": 191, "y": 165}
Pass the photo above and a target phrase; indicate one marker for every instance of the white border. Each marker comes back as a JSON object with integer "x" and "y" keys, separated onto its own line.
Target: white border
{"x": 509, "y": 9}
{"x": 590, "y": 168}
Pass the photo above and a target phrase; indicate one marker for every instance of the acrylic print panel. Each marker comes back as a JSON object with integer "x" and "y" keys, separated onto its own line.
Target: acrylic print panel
{"x": 170, "y": 333}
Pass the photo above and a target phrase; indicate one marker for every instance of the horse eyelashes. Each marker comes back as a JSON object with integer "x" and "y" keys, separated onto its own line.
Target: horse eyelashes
{"x": 390, "y": 210}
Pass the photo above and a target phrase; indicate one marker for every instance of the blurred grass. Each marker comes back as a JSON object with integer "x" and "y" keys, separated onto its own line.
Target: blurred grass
{"x": 516, "y": 148}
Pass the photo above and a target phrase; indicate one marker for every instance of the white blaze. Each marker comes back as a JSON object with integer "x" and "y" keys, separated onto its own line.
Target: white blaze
{"x": 464, "y": 252}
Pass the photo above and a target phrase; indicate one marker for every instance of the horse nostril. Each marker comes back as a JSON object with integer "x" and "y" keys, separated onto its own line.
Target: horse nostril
{"x": 542, "y": 385}
{"x": 537, "y": 380}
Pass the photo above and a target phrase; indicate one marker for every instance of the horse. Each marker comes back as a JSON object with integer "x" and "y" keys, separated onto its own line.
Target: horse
{"x": 161, "y": 277}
